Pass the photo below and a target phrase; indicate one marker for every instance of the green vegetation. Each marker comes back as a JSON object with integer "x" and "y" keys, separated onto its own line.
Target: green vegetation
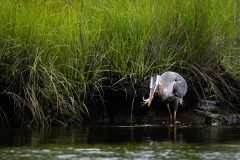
{"x": 56, "y": 56}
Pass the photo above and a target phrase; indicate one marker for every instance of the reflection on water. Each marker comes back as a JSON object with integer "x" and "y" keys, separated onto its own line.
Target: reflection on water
{"x": 139, "y": 142}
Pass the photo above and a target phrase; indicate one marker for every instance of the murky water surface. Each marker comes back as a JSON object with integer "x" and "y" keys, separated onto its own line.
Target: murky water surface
{"x": 138, "y": 142}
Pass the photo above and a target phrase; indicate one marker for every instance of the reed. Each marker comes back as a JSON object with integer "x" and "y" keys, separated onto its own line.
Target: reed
{"x": 53, "y": 52}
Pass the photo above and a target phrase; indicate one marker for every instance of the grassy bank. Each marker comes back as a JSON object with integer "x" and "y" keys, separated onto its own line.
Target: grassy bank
{"x": 57, "y": 56}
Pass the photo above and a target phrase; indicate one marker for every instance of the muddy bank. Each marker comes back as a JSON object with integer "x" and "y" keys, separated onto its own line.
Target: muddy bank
{"x": 123, "y": 103}
{"x": 125, "y": 107}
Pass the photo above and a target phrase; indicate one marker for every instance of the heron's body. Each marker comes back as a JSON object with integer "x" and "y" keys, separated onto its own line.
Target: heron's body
{"x": 171, "y": 87}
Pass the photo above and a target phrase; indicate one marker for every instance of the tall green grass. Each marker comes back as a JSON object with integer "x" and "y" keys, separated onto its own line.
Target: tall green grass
{"x": 57, "y": 54}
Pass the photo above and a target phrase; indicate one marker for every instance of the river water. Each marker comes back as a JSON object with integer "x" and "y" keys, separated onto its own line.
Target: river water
{"x": 121, "y": 142}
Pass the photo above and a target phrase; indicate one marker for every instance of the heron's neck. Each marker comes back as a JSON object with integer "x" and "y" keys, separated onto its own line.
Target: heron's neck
{"x": 161, "y": 89}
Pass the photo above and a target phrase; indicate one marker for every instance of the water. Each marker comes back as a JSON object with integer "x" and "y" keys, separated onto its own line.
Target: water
{"x": 138, "y": 142}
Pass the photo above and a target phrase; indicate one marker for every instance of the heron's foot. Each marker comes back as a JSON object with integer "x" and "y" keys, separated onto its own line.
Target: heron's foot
{"x": 171, "y": 125}
{"x": 177, "y": 122}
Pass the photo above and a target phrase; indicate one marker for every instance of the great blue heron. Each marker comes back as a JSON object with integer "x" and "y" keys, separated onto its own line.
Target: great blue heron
{"x": 171, "y": 87}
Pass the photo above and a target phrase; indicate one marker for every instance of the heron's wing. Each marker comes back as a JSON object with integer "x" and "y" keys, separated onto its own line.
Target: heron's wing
{"x": 180, "y": 88}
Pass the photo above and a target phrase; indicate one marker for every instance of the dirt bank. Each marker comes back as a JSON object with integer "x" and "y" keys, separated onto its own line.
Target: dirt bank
{"x": 123, "y": 101}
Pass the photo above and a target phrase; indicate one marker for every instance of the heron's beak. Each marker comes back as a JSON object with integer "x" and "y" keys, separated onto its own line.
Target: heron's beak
{"x": 149, "y": 103}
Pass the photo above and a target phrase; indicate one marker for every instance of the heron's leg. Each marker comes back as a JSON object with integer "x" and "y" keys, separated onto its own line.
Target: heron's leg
{"x": 175, "y": 107}
{"x": 170, "y": 114}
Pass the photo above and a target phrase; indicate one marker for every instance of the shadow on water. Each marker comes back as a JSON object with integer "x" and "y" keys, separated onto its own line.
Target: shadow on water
{"x": 120, "y": 135}
{"x": 122, "y": 142}
{"x": 164, "y": 134}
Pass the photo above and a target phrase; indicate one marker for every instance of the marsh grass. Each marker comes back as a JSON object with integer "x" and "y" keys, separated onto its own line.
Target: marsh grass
{"x": 57, "y": 54}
